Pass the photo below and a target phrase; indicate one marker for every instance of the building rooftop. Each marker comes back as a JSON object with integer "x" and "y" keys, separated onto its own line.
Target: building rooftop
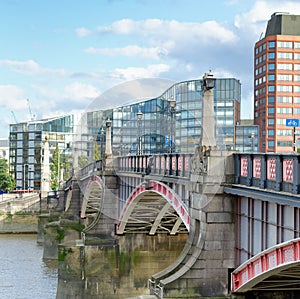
{"x": 283, "y": 23}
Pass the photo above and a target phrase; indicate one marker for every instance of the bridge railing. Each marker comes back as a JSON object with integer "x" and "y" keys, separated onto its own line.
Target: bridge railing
{"x": 173, "y": 164}
{"x": 278, "y": 172}
{"x": 90, "y": 169}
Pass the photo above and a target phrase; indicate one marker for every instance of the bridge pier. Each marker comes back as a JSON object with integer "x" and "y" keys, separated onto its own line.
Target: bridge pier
{"x": 205, "y": 264}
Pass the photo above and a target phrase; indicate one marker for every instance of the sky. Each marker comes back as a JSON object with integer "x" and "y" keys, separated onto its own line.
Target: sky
{"x": 58, "y": 56}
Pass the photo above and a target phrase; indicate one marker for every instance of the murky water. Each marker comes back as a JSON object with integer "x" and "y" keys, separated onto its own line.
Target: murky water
{"x": 23, "y": 273}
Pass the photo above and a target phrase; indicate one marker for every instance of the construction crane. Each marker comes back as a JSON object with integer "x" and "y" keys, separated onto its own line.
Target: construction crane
{"x": 31, "y": 115}
{"x": 13, "y": 114}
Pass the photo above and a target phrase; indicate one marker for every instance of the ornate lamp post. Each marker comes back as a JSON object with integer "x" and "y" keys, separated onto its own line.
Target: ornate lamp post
{"x": 171, "y": 143}
{"x": 139, "y": 125}
{"x": 208, "y": 115}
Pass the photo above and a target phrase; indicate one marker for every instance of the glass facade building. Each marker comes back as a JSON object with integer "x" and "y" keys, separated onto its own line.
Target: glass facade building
{"x": 168, "y": 123}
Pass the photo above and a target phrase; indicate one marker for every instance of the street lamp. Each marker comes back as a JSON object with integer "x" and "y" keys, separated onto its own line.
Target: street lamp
{"x": 171, "y": 143}
{"x": 139, "y": 125}
{"x": 251, "y": 136}
{"x": 101, "y": 142}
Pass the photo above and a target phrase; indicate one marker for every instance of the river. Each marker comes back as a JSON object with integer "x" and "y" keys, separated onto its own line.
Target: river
{"x": 23, "y": 272}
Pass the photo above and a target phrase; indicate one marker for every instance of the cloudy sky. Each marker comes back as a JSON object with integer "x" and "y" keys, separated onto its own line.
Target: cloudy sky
{"x": 58, "y": 56}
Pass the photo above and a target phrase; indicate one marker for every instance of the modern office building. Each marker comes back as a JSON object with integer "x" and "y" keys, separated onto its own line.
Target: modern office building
{"x": 166, "y": 124}
{"x": 4, "y": 149}
{"x": 277, "y": 83}
{"x": 26, "y": 141}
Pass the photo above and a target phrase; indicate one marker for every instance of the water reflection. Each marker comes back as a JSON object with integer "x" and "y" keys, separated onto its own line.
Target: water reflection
{"x": 23, "y": 273}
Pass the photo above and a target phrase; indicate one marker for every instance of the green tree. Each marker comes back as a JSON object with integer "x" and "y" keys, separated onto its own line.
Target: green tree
{"x": 96, "y": 152}
{"x": 56, "y": 168}
{"x": 82, "y": 161}
{"x": 6, "y": 180}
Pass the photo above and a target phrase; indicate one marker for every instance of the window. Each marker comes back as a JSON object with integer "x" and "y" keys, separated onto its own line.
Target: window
{"x": 285, "y": 66}
{"x": 270, "y": 132}
{"x": 284, "y": 143}
{"x": 297, "y": 89}
{"x": 284, "y": 88}
{"x": 284, "y": 110}
{"x": 296, "y": 100}
{"x": 271, "y": 121}
{"x": 271, "y": 55}
{"x": 285, "y": 44}
{"x": 296, "y": 110}
{"x": 296, "y": 78}
{"x": 284, "y": 55}
{"x": 284, "y": 99}
{"x": 271, "y": 44}
{"x": 271, "y": 110}
{"x": 284, "y": 132}
{"x": 285, "y": 77}
{"x": 271, "y": 143}
{"x": 296, "y": 56}
{"x": 271, "y": 99}
{"x": 271, "y": 66}
{"x": 281, "y": 121}
{"x": 297, "y": 45}
{"x": 271, "y": 88}
{"x": 297, "y": 67}
{"x": 271, "y": 77}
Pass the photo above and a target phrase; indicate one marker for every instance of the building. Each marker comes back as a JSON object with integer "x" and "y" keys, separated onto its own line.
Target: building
{"x": 277, "y": 83}
{"x": 166, "y": 124}
{"x": 246, "y": 136}
{"x": 26, "y": 142}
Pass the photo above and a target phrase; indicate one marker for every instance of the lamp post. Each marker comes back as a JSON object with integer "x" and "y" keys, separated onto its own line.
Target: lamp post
{"x": 108, "y": 149}
{"x": 139, "y": 125}
{"x": 101, "y": 142}
{"x": 24, "y": 176}
{"x": 251, "y": 136}
{"x": 171, "y": 143}
{"x": 208, "y": 115}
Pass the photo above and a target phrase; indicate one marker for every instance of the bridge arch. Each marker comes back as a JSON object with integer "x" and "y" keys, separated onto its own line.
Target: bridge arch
{"x": 274, "y": 269}
{"x": 92, "y": 203}
{"x": 154, "y": 207}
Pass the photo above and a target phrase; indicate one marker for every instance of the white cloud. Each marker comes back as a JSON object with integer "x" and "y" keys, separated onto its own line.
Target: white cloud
{"x": 131, "y": 51}
{"x": 82, "y": 32}
{"x": 30, "y": 67}
{"x": 132, "y": 73}
{"x": 12, "y": 97}
{"x": 79, "y": 91}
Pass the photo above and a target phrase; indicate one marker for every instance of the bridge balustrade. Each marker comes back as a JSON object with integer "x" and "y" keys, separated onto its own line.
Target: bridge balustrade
{"x": 178, "y": 165}
{"x": 90, "y": 169}
{"x": 278, "y": 172}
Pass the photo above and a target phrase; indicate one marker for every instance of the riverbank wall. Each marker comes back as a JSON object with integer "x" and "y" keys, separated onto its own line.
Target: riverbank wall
{"x": 19, "y": 223}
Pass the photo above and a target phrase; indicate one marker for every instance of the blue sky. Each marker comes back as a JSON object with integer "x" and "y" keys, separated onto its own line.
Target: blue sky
{"x": 63, "y": 54}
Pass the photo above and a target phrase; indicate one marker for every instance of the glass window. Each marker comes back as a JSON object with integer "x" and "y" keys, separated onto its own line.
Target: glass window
{"x": 271, "y": 110}
{"x": 284, "y": 88}
{"x": 284, "y": 99}
{"x": 297, "y": 45}
{"x": 296, "y": 100}
{"x": 285, "y": 66}
{"x": 270, "y": 132}
{"x": 296, "y": 88}
{"x": 271, "y": 44}
{"x": 284, "y": 143}
{"x": 284, "y": 132}
{"x": 297, "y": 56}
{"x": 285, "y": 44}
{"x": 284, "y": 55}
{"x": 281, "y": 77}
{"x": 297, "y": 67}
{"x": 271, "y": 143}
{"x": 296, "y": 78}
{"x": 271, "y": 121}
{"x": 271, "y": 99}
{"x": 271, "y": 77}
{"x": 296, "y": 110}
{"x": 271, "y": 66}
{"x": 284, "y": 110}
{"x": 271, "y": 88}
{"x": 271, "y": 55}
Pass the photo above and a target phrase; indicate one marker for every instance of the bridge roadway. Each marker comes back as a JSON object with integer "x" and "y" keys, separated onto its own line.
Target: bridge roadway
{"x": 238, "y": 220}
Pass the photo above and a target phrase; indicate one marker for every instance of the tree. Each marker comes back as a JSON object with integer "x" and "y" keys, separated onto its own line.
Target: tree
{"x": 96, "y": 152}
{"x": 6, "y": 180}
{"x": 56, "y": 167}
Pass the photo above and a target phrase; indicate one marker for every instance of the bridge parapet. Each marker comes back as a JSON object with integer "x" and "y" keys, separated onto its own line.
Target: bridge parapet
{"x": 278, "y": 172}
{"x": 160, "y": 164}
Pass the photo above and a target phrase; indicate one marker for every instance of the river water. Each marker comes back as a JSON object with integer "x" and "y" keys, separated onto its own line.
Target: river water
{"x": 23, "y": 272}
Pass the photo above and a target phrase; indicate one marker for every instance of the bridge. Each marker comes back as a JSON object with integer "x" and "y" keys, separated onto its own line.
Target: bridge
{"x": 240, "y": 213}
